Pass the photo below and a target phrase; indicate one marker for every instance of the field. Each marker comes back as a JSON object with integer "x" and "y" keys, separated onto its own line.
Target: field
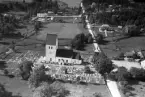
{"x": 63, "y": 30}
{"x": 124, "y": 45}
{"x": 87, "y": 90}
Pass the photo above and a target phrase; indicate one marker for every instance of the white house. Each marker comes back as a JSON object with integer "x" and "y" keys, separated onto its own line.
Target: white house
{"x": 61, "y": 56}
{"x": 42, "y": 15}
{"x": 143, "y": 64}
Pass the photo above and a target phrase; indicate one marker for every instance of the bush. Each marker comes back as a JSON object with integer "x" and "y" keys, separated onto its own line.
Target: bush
{"x": 97, "y": 95}
{"x": 132, "y": 31}
{"x": 6, "y": 72}
{"x": 112, "y": 76}
{"x": 99, "y": 38}
{"x": 78, "y": 41}
{"x": 120, "y": 56}
{"x": 88, "y": 70}
{"x": 38, "y": 76}
{"x": 122, "y": 74}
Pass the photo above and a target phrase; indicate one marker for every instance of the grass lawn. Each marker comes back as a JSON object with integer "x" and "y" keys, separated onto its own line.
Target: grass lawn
{"x": 86, "y": 90}
{"x": 63, "y": 30}
{"x": 125, "y": 45}
{"x": 16, "y": 86}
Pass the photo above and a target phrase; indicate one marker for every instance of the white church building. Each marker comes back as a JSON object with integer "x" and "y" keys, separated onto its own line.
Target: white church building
{"x": 57, "y": 55}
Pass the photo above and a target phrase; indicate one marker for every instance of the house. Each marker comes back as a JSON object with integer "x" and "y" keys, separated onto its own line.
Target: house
{"x": 57, "y": 55}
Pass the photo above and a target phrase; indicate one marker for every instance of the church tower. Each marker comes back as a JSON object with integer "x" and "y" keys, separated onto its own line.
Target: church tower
{"x": 51, "y": 47}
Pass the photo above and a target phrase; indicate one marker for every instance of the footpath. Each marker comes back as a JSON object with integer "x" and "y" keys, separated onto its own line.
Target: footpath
{"x": 112, "y": 85}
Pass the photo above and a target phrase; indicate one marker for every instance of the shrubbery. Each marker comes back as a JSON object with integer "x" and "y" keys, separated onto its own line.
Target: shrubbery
{"x": 99, "y": 38}
{"x": 38, "y": 76}
{"x": 120, "y": 56}
{"x": 122, "y": 74}
{"x": 78, "y": 41}
{"x": 97, "y": 95}
{"x": 88, "y": 38}
{"x": 25, "y": 69}
{"x": 55, "y": 89}
{"x": 137, "y": 73}
{"x": 87, "y": 69}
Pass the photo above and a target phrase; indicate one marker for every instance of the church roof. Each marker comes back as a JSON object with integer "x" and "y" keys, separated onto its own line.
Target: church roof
{"x": 51, "y": 39}
{"x": 67, "y": 53}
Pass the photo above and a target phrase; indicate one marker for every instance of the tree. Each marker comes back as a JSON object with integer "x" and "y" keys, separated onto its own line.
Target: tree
{"x": 120, "y": 56}
{"x": 137, "y": 73}
{"x": 37, "y": 26}
{"x": 87, "y": 69}
{"x": 38, "y": 76}
{"x": 78, "y": 41}
{"x": 99, "y": 38}
{"x": 55, "y": 7}
{"x": 102, "y": 63}
{"x": 88, "y": 38}
{"x": 122, "y": 74}
{"x": 25, "y": 68}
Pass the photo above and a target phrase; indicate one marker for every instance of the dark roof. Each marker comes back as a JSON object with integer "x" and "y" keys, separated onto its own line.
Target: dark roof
{"x": 51, "y": 39}
{"x": 67, "y": 53}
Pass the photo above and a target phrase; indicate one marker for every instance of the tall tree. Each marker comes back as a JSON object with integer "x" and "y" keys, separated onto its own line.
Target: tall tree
{"x": 102, "y": 63}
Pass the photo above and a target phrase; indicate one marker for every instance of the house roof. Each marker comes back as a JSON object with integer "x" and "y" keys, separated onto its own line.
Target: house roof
{"x": 67, "y": 53}
{"x": 51, "y": 39}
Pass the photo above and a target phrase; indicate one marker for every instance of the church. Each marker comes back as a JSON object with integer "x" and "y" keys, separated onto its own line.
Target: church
{"x": 60, "y": 55}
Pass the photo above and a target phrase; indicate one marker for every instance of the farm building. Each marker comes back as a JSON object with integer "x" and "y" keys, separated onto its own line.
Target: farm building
{"x": 61, "y": 56}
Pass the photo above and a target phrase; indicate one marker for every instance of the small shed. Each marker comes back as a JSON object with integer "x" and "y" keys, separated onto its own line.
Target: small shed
{"x": 143, "y": 64}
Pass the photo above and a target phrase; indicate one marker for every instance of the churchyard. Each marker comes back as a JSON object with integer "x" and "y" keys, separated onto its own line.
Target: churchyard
{"x": 32, "y": 48}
